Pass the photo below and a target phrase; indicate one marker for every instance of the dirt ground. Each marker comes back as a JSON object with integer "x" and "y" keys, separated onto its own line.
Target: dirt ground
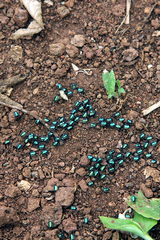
{"x": 29, "y": 200}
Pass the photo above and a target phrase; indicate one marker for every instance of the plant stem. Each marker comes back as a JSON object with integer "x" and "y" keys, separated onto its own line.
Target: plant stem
{"x": 147, "y": 237}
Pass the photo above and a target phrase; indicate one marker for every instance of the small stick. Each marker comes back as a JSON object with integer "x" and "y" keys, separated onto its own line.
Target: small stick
{"x": 52, "y": 173}
{"x": 128, "y": 11}
{"x": 151, "y": 108}
{"x": 139, "y": 72}
{"x": 145, "y": 20}
{"x": 91, "y": 235}
{"x": 26, "y": 111}
{"x": 124, "y": 31}
{"x": 126, "y": 17}
{"x": 120, "y": 25}
{"x": 57, "y": 32}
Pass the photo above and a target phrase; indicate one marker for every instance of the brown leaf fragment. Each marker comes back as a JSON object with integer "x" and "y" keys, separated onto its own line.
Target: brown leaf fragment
{"x": 16, "y": 52}
{"x": 9, "y": 82}
{"x": 156, "y": 34}
{"x": 155, "y": 23}
{"x": 130, "y": 54}
{"x": 4, "y": 100}
{"x": 32, "y": 29}
{"x": 34, "y": 9}
{"x": 152, "y": 172}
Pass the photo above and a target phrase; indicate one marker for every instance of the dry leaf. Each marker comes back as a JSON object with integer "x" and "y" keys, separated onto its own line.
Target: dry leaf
{"x": 9, "y": 82}
{"x": 156, "y": 34}
{"x": 6, "y": 100}
{"x": 36, "y": 90}
{"x": 34, "y": 8}
{"x": 63, "y": 95}
{"x": 1, "y": 61}
{"x": 32, "y": 29}
{"x": 152, "y": 172}
{"x": 16, "y": 52}
{"x": 48, "y": 2}
{"x": 24, "y": 185}
{"x": 9, "y": 91}
{"x": 75, "y": 68}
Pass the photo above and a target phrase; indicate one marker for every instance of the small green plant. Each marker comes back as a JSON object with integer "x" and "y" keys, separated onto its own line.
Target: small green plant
{"x": 109, "y": 82}
{"x": 146, "y": 215}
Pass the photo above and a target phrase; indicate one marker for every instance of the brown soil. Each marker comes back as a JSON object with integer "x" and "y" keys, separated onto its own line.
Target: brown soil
{"x": 97, "y": 21}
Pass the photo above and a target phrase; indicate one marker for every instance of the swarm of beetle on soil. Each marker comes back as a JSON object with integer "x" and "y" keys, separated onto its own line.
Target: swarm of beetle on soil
{"x": 84, "y": 112}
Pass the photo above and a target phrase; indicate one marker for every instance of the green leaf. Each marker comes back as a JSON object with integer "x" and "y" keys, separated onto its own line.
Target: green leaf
{"x": 105, "y": 77}
{"x": 111, "y": 82}
{"x": 118, "y": 83}
{"x": 121, "y": 90}
{"x": 149, "y": 208}
{"x": 145, "y": 223}
{"x": 125, "y": 225}
{"x": 110, "y": 95}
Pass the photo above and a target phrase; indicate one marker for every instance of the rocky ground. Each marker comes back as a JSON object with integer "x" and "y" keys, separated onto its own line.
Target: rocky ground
{"x": 47, "y": 195}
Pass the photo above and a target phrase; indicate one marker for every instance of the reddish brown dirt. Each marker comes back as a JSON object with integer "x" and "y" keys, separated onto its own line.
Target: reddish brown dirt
{"x": 97, "y": 21}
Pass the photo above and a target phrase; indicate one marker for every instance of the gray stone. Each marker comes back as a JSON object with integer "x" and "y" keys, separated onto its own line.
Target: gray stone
{"x": 8, "y": 216}
{"x": 146, "y": 191}
{"x": 65, "y": 196}
{"x": 52, "y": 234}
{"x": 130, "y": 54}
{"x": 107, "y": 235}
{"x": 69, "y": 226}
{"x": 12, "y": 191}
{"x": 57, "y": 49}
{"x": 81, "y": 172}
{"x": 26, "y": 172}
{"x": 68, "y": 182}
{"x": 63, "y": 11}
{"x": 71, "y": 50}
{"x": 60, "y": 72}
{"x": 33, "y": 204}
{"x": 52, "y": 212}
{"x": 84, "y": 160}
{"x": 51, "y": 183}
{"x": 115, "y": 235}
{"x": 139, "y": 125}
{"x": 83, "y": 185}
{"x": 78, "y": 40}
{"x": 20, "y": 17}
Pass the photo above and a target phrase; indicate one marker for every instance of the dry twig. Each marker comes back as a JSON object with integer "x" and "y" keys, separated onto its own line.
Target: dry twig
{"x": 139, "y": 72}
{"x": 6, "y": 101}
{"x": 126, "y": 19}
{"x": 151, "y": 108}
{"x": 23, "y": 110}
{"x": 91, "y": 235}
{"x": 146, "y": 19}
{"x": 127, "y": 11}
{"x": 148, "y": 16}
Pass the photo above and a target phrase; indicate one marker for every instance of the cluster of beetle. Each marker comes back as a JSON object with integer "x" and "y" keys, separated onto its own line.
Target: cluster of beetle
{"x": 83, "y": 111}
{"x": 97, "y": 170}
